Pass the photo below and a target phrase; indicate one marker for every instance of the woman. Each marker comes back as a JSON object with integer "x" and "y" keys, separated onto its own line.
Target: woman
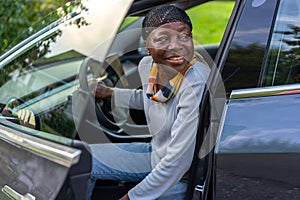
{"x": 173, "y": 79}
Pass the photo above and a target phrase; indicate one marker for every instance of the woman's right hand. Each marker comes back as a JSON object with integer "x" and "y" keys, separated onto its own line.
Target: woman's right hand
{"x": 100, "y": 90}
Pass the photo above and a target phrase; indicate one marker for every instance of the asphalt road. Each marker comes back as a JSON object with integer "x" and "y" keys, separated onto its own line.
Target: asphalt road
{"x": 233, "y": 187}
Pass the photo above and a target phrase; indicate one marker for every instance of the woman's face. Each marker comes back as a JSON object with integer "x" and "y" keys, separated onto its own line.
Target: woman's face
{"x": 171, "y": 44}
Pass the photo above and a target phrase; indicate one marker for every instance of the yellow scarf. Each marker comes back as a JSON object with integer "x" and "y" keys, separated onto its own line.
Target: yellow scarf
{"x": 171, "y": 87}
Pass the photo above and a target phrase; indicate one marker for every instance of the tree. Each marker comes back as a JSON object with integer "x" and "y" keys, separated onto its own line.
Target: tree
{"x": 17, "y": 16}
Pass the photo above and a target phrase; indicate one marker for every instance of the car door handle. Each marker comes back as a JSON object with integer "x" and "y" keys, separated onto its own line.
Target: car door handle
{"x": 11, "y": 193}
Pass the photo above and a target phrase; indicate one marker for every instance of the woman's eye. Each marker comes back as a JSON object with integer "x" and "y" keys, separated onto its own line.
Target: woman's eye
{"x": 161, "y": 40}
{"x": 184, "y": 37}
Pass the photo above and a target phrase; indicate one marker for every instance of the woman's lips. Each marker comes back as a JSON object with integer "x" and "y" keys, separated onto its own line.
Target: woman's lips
{"x": 175, "y": 59}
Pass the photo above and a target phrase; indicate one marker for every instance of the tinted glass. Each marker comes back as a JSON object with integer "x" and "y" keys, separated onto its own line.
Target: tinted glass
{"x": 38, "y": 78}
{"x": 245, "y": 58}
{"x": 283, "y": 61}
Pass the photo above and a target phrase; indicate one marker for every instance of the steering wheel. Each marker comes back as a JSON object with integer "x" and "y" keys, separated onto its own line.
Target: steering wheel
{"x": 115, "y": 121}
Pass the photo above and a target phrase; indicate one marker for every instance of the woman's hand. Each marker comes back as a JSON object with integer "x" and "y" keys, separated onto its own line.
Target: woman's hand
{"x": 125, "y": 197}
{"x": 100, "y": 90}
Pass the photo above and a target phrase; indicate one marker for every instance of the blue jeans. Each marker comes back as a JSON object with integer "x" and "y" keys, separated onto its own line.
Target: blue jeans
{"x": 130, "y": 162}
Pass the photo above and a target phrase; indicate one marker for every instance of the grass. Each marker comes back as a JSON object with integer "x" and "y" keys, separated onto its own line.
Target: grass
{"x": 210, "y": 20}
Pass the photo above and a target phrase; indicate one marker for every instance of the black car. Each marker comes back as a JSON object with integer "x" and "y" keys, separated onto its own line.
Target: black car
{"x": 248, "y": 142}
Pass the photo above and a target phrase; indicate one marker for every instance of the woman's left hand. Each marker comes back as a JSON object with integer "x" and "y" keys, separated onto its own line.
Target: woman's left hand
{"x": 125, "y": 197}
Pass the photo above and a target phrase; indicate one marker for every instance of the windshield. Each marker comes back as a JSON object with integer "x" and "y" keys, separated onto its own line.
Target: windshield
{"x": 40, "y": 74}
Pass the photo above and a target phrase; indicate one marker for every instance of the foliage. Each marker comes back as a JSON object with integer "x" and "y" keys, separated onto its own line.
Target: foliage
{"x": 216, "y": 14}
{"x": 25, "y": 60}
{"x": 17, "y": 16}
{"x": 283, "y": 61}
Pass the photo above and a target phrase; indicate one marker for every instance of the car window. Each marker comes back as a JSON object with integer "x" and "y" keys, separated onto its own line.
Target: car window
{"x": 251, "y": 30}
{"x": 38, "y": 78}
{"x": 283, "y": 60}
{"x": 37, "y": 84}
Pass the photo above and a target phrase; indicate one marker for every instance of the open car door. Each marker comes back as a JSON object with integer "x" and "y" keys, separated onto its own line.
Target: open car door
{"x": 32, "y": 168}
{"x": 41, "y": 154}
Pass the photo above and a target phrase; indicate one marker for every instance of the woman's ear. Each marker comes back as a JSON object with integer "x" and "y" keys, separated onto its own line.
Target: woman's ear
{"x": 146, "y": 46}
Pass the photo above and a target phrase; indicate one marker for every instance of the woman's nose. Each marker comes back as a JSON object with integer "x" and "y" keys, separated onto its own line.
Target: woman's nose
{"x": 174, "y": 44}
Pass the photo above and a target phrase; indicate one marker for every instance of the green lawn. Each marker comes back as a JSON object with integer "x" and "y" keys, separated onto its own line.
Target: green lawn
{"x": 210, "y": 20}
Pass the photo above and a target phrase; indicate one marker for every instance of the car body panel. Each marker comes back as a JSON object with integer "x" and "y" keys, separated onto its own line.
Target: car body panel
{"x": 257, "y": 152}
{"x": 259, "y": 146}
{"x": 247, "y": 129}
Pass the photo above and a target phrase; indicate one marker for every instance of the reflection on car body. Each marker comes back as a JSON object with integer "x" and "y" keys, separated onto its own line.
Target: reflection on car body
{"x": 254, "y": 147}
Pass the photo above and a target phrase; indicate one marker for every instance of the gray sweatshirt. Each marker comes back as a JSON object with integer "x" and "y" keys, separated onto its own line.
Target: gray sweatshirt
{"x": 173, "y": 126}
